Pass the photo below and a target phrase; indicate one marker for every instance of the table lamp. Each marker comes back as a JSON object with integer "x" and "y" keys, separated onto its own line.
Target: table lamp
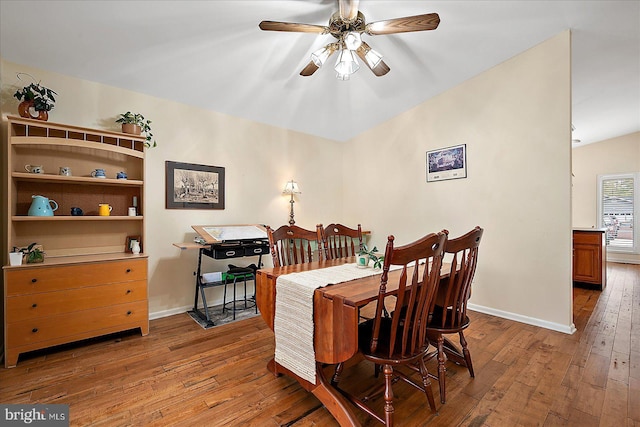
{"x": 291, "y": 188}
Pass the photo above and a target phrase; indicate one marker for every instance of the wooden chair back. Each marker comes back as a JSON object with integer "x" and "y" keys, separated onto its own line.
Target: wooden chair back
{"x": 291, "y": 244}
{"x": 420, "y": 264}
{"x": 455, "y": 290}
{"x": 339, "y": 241}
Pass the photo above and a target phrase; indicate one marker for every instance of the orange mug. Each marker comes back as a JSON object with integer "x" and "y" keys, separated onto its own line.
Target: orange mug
{"x": 104, "y": 209}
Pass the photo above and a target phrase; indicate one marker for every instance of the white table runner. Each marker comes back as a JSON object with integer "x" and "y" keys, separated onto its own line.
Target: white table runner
{"x": 293, "y": 321}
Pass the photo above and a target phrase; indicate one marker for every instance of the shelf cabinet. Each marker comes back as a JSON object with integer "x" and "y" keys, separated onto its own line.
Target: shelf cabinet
{"x": 49, "y": 305}
{"x": 88, "y": 243}
{"x": 589, "y": 257}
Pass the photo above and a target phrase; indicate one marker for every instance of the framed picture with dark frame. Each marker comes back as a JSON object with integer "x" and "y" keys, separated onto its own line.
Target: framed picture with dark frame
{"x": 447, "y": 163}
{"x": 191, "y": 186}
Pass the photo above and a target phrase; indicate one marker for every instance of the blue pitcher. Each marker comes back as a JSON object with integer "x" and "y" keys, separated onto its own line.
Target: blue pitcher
{"x": 41, "y": 206}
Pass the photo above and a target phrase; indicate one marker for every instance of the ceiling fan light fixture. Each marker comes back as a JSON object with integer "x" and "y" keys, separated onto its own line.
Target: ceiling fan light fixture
{"x": 353, "y": 40}
{"x": 373, "y": 58}
{"x": 320, "y": 56}
{"x": 343, "y": 77}
{"x": 346, "y": 63}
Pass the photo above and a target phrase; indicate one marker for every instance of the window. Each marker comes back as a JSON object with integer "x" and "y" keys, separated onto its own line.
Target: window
{"x": 618, "y": 210}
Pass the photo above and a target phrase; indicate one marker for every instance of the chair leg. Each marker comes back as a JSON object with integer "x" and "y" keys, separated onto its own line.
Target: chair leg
{"x": 426, "y": 384}
{"x": 388, "y": 395}
{"x": 467, "y": 354}
{"x": 442, "y": 370}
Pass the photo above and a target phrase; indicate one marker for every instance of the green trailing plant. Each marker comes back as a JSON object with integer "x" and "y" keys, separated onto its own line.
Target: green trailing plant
{"x": 32, "y": 253}
{"x": 42, "y": 97}
{"x": 373, "y": 255}
{"x": 138, "y": 119}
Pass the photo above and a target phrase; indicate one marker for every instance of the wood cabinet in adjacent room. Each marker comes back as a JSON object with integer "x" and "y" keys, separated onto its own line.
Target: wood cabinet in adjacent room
{"x": 90, "y": 284}
{"x": 590, "y": 257}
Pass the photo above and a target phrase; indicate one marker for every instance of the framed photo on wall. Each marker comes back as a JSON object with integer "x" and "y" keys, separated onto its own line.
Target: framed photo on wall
{"x": 447, "y": 163}
{"x": 191, "y": 186}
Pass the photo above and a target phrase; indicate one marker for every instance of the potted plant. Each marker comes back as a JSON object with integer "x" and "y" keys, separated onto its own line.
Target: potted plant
{"x": 38, "y": 97}
{"x": 32, "y": 253}
{"x": 136, "y": 124}
{"x": 365, "y": 255}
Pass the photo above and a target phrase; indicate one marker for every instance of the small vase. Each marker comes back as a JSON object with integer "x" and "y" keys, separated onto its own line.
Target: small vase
{"x": 362, "y": 261}
{"x": 15, "y": 258}
{"x": 24, "y": 110}
{"x": 135, "y": 247}
{"x": 131, "y": 129}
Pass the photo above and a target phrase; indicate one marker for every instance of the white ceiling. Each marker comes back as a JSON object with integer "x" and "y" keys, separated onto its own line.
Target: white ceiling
{"x": 211, "y": 54}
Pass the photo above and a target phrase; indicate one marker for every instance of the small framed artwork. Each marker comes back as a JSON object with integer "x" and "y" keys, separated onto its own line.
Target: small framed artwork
{"x": 191, "y": 186}
{"x": 128, "y": 246}
{"x": 447, "y": 163}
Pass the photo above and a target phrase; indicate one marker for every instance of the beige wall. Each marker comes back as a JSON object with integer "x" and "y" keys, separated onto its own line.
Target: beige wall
{"x": 612, "y": 156}
{"x": 258, "y": 160}
{"x": 515, "y": 121}
{"x": 514, "y": 118}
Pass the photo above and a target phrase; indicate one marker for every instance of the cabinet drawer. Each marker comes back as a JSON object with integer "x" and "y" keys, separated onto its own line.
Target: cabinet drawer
{"x": 69, "y": 324}
{"x": 251, "y": 250}
{"x": 593, "y": 238}
{"x": 30, "y": 280}
{"x": 232, "y": 252}
{"x": 44, "y": 304}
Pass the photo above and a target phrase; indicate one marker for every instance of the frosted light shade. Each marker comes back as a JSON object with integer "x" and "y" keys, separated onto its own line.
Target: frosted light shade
{"x": 352, "y": 40}
{"x": 373, "y": 58}
{"x": 320, "y": 56}
{"x": 347, "y": 62}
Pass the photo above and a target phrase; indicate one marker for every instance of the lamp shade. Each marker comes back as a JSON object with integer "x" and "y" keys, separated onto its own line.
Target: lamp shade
{"x": 347, "y": 62}
{"x": 373, "y": 58}
{"x": 352, "y": 40}
{"x": 291, "y": 188}
{"x": 320, "y": 56}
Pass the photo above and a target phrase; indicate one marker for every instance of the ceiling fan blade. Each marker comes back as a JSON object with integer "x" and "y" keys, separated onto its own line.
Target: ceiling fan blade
{"x": 292, "y": 27}
{"x": 348, "y": 9}
{"x": 380, "y": 69}
{"x": 407, "y": 24}
{"x": 309, "y": 69}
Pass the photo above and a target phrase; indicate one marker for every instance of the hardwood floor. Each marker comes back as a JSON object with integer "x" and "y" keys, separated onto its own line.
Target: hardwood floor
{"x": 182, "y": 375}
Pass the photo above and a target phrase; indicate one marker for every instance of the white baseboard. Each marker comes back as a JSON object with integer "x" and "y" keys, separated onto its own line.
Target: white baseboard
{"x": 170, "y": 312}
{"x": 622, "y": 260}
{"x": 567, "y": 329}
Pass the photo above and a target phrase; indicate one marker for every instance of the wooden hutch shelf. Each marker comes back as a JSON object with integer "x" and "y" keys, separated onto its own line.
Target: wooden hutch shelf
{"x": 88, "y": 284}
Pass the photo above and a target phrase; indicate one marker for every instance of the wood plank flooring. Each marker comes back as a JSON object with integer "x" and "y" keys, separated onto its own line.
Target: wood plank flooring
{"x": 182, "y": 375}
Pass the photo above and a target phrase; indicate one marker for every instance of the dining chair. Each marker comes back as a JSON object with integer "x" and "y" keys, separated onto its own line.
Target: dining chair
{"x": 450, "y": 309}
{"x": 339, "y": 241}
{"x": 392, "y": 341}
{"x": 291, "y": 244}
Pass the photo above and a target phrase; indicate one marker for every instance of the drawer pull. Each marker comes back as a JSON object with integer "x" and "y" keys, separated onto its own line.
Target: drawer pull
{"x": 34, "y": 280}
{"x": 34, "y": 305}
{"x": 34, "y": 330}
{"x": 128, "y": 270}
{"x": 129, "y": 313}
{"x": 128, "y": 291}
{"x": 230, "y": 253}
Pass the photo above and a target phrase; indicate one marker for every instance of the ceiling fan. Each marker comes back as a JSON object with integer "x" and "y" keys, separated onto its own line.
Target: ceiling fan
{"x": 348, "y": 25}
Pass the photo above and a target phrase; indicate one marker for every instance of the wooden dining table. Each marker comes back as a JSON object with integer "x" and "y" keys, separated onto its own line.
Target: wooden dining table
{"x": 336, "y": 314}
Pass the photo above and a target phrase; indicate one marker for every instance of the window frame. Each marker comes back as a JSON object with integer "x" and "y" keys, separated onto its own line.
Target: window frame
{"x": 635, "y": 249}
